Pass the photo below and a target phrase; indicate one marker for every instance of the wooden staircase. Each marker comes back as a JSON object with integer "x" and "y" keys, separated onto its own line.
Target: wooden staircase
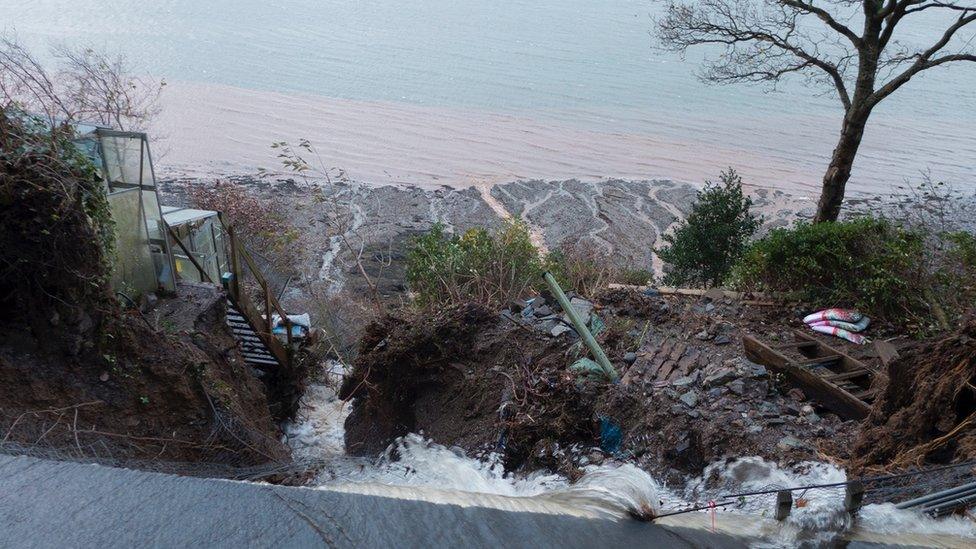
{"x": 252, "y": 348}
{"x": 252, "y": 324}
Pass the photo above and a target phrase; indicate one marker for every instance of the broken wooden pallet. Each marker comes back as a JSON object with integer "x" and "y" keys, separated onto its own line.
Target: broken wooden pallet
{"x": 831, "y": 377}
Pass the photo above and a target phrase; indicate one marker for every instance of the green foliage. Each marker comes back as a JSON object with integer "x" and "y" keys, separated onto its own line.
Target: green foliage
{"x": 633, "y": 276}
{"x": 703, "y": 249}
{"x": 491, "y": 268}
{"x": 56, "y": 227}
{"x": 962, "y": 248}
{"x": 871, "y": 264}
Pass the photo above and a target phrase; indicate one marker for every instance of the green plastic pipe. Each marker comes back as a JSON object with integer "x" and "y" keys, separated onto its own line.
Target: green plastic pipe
{"x": 581, "y": 329}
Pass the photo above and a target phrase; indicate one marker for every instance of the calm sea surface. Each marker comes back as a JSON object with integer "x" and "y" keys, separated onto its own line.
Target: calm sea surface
{"x": 455, "y": 91}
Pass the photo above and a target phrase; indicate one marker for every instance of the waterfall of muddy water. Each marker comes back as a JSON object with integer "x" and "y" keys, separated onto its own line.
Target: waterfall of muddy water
{"x": 617, "y": 490}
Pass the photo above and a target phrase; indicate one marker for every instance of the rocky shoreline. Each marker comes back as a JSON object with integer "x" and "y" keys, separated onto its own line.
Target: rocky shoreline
{"x": 623, "y": 218}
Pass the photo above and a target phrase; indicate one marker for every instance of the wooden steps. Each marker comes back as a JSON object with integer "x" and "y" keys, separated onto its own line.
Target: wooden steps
{"x": 836, "y": 380}
{"x": 252, "y": 348}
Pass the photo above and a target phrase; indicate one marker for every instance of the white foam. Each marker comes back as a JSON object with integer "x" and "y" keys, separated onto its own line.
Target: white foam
{"x": 418, "y": 467}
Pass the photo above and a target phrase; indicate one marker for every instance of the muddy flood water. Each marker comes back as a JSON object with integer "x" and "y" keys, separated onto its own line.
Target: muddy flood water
{"x": 417, "y": 467}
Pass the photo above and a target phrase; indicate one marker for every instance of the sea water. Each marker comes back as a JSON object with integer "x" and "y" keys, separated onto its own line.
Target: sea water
{"x": 482, "y": 91}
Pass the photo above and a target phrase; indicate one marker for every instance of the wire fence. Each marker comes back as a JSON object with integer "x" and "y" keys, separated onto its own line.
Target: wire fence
{"x": 228, "y": 447}
{"x": 238, "y": 451}
{"x": 891, "y": 488}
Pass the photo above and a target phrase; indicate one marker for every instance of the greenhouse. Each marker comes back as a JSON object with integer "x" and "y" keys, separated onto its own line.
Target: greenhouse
{"x": 202, "y": 235}
{"x": 144, "y": 261}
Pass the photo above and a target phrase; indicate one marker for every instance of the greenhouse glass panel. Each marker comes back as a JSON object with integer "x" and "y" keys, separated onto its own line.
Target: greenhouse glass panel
{"x": 123, "y": 160}
{"x": 134, "y": 271}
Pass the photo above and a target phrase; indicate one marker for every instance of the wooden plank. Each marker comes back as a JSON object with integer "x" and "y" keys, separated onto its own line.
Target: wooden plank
{"x": 712, "y": 293}
{"x": 814, "y": 386}
{"x": 848, "y": 375}
{"x": 847, "y": 362}
{"x": 796, "y": 345}
{"x": 662, "y": 354}
{"x": 819, "y": 360}
{"x": 665, "y": 371}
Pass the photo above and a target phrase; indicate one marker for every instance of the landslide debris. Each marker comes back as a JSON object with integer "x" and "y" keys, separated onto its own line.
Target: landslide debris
{"x": 466, "y": 377}
{"x": 166, "y": 386}
{"x": 927, "y": 410}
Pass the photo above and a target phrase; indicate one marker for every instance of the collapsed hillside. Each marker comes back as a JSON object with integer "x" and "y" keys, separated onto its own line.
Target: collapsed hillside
{"x": 168, "y": 385}
{"x": 502, "y": 383}
{"x": 927, "y": 411}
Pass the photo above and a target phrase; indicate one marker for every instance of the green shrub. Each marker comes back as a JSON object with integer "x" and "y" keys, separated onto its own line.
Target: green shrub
{"x": 633, "y": 276}
{"x": 586, "y": 269}
{"x": 962, "y": 249}
{"x": 867, "y": 263}
{"x": 952, "y": 265}
{"x": 703, "y": 249}
{"x": 491, "y": 268}
{"x": 56, "y": 227}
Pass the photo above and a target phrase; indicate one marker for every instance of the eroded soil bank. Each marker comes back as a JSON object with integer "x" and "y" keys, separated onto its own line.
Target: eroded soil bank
{"x": 927, "y": 410}
{"x": 169, "y": 385}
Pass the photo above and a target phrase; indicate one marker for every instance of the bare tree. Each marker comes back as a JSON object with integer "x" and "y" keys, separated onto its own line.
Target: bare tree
{"x": 85, "y": 86}
{"x": 767, "y": 40}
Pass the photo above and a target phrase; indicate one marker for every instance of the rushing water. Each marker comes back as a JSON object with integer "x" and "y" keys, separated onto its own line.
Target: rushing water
{"x": 613, "y": 490}
{"x": 441, "y": 91}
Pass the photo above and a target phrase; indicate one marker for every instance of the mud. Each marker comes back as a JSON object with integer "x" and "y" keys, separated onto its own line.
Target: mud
{"x": 167, "y": 385}
{"x": 927, "y": 410}
{"x": 464, "y": 376}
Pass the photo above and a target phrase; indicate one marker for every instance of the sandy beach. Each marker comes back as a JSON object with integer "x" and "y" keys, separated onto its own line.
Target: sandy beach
{"x": 210, "y": 130}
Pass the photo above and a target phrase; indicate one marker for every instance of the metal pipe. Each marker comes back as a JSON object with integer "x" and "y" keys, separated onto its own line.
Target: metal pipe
{"x": 581, "y": 329}
{"x": 937, "y": 496}
{"x": 947, "y": 507}
{"x": 951, "y": 497}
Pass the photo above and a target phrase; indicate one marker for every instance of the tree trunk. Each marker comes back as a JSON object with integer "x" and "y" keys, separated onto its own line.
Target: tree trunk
{"x": 839, "y": 170}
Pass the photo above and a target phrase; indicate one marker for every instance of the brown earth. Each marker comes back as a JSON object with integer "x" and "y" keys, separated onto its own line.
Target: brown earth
{"x": 463, "y": 376}
{"x": 167, "y": 386}
{"x": 927, "y": 411}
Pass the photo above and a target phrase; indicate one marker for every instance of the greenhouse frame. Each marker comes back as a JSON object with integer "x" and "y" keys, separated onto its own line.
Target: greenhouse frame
{"x": 144, "y": 260}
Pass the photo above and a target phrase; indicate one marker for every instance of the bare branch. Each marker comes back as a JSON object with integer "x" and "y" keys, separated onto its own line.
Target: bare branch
{"x": 827, "y": 18}
{"x": 756, "y": 40}
{"x": 925, "y": 59}
{"x": 85, "y": 86}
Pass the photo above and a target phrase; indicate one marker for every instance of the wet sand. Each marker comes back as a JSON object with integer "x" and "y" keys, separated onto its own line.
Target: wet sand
{"x": 220, "y": 129}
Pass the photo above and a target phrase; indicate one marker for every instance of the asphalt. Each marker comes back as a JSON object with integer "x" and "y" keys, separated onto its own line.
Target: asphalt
{"x": 62, "y": 504}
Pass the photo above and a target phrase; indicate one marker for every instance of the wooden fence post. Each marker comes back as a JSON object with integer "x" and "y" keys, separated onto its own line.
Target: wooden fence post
{"x": 784, "y": 504}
